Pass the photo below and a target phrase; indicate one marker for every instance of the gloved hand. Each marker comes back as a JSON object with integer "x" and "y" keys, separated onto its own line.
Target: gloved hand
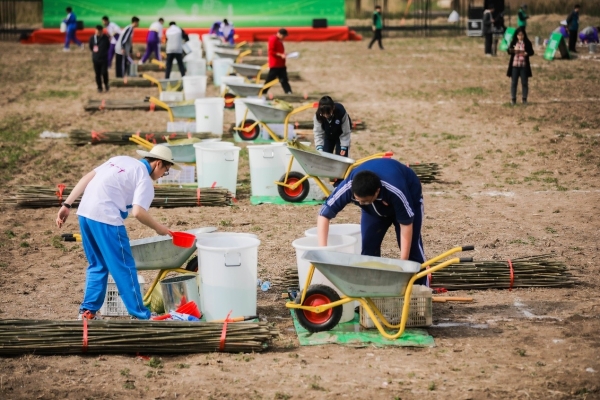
{"x": 320, "y": 148}
{"x": 344, "y": 151}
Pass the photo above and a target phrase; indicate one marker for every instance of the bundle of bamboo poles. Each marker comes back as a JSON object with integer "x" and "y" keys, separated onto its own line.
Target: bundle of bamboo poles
{"x": 123, "y": 104}
{"x": 168, "y": 196}
{"x": 288, "y": 280}
{"x": 80, "y": 137}
{"x": 130, "y": 82}
{"x": 130, "y": 337}
{"x": 427, "y": 172}
{"x": 534, "y": 271}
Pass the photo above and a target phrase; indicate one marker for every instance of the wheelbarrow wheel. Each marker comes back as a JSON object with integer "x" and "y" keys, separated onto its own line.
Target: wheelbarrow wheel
{"x": 317, "y": 295}
{"x": 229, "y": 98}
{"x": 252, "y": 133}
{"x": 293, "y": 195}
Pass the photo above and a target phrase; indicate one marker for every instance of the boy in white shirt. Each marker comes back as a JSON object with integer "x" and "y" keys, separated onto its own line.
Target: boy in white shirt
{"x": 110, "y": 192}
{"x": 113, "y": 31}
{"x": 153, "y": 41}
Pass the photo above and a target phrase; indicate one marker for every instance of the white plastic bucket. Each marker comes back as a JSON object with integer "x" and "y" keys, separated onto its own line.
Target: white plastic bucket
{"x": 265, "y": 168}
{"x": 209, "y": 114}
{"x": 194, "y": 87}
{"x": 209, "y": 47}
{"x": 196, "y": 67}
{"x": 339, "y": 243}
{"x": 198, "y": 150}
{"x": 342, "y": 229}
{"x": 228, "y": 275}
{"x": 194, "y": 37}
{"x": 220, "y": 67}
{"x": 219, "y": 167}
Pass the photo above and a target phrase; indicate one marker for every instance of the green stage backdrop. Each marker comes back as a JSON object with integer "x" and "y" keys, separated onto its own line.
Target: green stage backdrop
{"x": 199, "y": 14}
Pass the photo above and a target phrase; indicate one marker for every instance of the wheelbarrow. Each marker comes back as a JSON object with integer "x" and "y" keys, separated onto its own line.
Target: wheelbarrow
{"x": 182, "y": 109}
{"x": 250, "y": 71}
{"x": 268, "y": 113}
{"x": 159, "y": 253}
{"x": 361, "y": 278}
{"x": 232, "y": 54}
{"x": 245, "y": 90}
{"x": 167, "y": 85}
{"x": 294, "y": 186}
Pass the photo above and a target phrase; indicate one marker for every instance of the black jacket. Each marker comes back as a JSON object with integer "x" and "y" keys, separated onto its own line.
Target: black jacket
{"x": 511, "y": 51}
{"x": 103, "y": 43}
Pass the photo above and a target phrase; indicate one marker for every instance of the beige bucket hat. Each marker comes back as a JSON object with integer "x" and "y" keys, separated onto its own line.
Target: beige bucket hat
{"x": 162, "y": 153}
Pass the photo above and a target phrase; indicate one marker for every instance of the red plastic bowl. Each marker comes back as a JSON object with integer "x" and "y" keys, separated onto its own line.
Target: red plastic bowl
{"x": 183, "y": 239}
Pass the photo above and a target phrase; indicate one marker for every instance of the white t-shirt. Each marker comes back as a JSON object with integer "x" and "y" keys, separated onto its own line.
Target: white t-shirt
{"x": 112, "y": 29}
{"x": 157, "y": 27}
{"x": 118, "y": 184}
{"x": 174, "y": 40}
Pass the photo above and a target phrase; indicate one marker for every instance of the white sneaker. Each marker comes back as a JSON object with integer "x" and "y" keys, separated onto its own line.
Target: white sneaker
{"x": 66, "y": 49}
{"x": 88, "y": 315}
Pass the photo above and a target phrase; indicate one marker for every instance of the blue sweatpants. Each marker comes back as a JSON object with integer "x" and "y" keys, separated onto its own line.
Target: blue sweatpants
{"x": 71, "y": 38}
{"x": 374, "y": 228}
{"x": 107, "y": 250}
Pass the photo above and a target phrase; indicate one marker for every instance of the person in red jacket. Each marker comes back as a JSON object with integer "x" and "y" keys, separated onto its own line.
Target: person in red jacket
{"x": 277, "y": 68}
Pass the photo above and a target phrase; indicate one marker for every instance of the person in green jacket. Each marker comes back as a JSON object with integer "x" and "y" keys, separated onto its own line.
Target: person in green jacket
{"x": 522, "y": 17}
{"x": 377, "y": 26}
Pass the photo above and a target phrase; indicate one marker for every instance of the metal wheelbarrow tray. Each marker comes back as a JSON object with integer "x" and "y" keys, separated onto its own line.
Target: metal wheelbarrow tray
{"x": 159, "y": 252}
{"x": 247, "y": 70}
{"x": 322, "y": 164}
{"x": 364, "y": 276}
{"x": 226, "y": 53}
{"x": 245, "y": 89}
{"x": 183, "y": 110}
{"x": 267, "y": 113}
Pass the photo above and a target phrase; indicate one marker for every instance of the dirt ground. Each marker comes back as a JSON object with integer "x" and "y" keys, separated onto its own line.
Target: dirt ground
{"x": 516, "y": 181}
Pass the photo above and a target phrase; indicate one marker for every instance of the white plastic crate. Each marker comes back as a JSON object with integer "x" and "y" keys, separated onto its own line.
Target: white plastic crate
{"x": 181, "y": 126}
{"x": 171, "y": 97}
{"x": 186, "y": 175}
{"x": 113, "y": 305}
{"x": 419, "y": 315}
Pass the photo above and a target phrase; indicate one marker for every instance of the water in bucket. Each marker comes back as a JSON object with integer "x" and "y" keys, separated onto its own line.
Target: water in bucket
{"x": 209, "y": 114}
{"x": 228, "y": 275}
{"x": 339, "y": 243}
{"x": 220, "y": 67}
{"x": 342, "y": 229}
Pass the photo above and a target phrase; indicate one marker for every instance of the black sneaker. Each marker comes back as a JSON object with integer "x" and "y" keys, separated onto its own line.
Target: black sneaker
{"x": 99, "y": 90}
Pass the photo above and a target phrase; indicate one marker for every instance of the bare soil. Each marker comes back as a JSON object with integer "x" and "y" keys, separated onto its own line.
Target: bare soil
{"x": 516, "y": 181}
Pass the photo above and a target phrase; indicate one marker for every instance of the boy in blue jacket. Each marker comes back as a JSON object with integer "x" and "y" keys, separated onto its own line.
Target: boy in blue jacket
{"x": 71, "y": 22}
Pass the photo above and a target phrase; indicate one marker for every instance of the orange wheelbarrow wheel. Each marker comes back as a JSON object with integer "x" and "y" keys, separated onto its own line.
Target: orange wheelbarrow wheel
{"x": 293, "y": 195}
{"x": 318, "y": 295}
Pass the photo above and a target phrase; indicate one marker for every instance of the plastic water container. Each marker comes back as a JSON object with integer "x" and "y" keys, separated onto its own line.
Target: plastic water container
{"x": 209, "y": 46}
{"x": 228, "y": 275}
{"x": 230, "y": 79}
{"x": 266, "y": 167}
{"x": 220, "y": 167}
{"x": 195, "y": 67}
{"x": 220, "y": 67}
{"x": 198, "y": 150}
{"x": 194, "y": 87}
{"x": 342, "y": 229}
{"x": 194, "y": 37}
{"x": 171, "y": 97}
{"x": 339, "y": 243}
{"x": 209, "y": 114}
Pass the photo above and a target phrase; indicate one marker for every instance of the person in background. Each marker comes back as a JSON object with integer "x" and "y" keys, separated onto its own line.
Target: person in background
{"x": 389, "y": 193}
{"x": 120, "y": 186}
{"x": 153, "y": 40}
{"x": 522, "y": 17}
{"x": 99, "y": 45}
{"x": 113, "y": 30}
{"x": 573, "y": 25}
{"x": 589, "y": 34}
{"x": 377, "y": 27}
{"x": 124, "y": 48}
{"x": 226, "y": 32}
{"x": 498, "y": 30}
{"x": 562, "y": 29}
{"x": 488, "y": 22}
{"x": 277, "y": 68}
{"x": 214, "y": 29}
{"x": 520, "y": 50}
{"x": 175, "y": 38}
{"x": 71, "y": 22}
{"x": 332, "y": 127}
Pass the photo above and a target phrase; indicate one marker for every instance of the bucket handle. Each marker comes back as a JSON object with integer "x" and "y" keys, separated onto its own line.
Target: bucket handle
{"x": 229, "y": 154}
{"x": 268, "y": 153}
{"x": 233, "y": 259}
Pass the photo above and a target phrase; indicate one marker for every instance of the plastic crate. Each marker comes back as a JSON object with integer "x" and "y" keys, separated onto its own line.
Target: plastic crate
{"x": 181, "y": 126}
{"x": 186, "y": 175}
{"x": 113, "y": 305}
{"x": 171, "y": 97}
{"x": 419, "y": 315}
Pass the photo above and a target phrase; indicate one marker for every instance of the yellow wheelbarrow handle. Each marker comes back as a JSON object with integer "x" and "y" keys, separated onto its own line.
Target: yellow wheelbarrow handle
{"x": 153, "y": 80}
{"x": 242, "y": 55}
{"x": 141, "y": 141}
{"x": 164, "y": 105}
